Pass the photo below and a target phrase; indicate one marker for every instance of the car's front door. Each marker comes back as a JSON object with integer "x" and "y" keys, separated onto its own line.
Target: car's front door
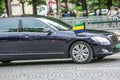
{"x": 37, "y": 40}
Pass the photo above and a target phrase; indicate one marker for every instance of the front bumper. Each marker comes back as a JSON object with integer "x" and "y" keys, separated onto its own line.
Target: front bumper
{"x": 104, "y": 50}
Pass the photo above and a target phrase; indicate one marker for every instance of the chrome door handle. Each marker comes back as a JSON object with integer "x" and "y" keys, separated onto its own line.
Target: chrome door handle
{"x": 26, "y": 36}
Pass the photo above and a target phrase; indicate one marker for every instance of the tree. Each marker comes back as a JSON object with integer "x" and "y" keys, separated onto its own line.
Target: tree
{"x": 92, "y": 5}
{"x": 119, "y": 3}
{"x": 36, "y": 3}
{"x": 57, "y": 5}
{"x": 8, "y": 7}
{"x": 66, "y": 5}
{"x": 73, "y": 1}
{"x": 78, "y": 2}
{"x": 2, "y": 6}
{"x": 84, "y": 7}
{"x": 99, "y": 2}
{"x": 83, "y": 3}
{"x": 23, "y": 2}
{"x": 109, "y": 3}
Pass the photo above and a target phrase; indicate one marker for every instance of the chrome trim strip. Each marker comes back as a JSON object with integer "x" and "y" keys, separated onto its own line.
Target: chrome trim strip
{"x": 32, "y": 53}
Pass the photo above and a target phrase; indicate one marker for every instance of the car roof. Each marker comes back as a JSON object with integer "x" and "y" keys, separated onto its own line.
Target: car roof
{"x": 28, "y": 17}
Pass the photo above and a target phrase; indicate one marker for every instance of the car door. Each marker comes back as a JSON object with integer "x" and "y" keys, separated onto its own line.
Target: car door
{"x": 9, "y": 36}
{"x": 39, "y": 39}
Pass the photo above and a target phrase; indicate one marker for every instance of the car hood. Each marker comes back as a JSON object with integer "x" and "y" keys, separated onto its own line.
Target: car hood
{"x": 96, "y": 32}
{"x": 87, "y": 33}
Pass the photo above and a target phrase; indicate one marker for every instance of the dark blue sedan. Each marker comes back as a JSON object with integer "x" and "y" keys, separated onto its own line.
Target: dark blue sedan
{"x": 25, "y": 38}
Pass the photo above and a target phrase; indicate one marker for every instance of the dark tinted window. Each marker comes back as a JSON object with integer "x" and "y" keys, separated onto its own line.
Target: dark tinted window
{"x": 9, "y": 25}
{"x": 33, "y": 25}
{"x": 55, "y": 23}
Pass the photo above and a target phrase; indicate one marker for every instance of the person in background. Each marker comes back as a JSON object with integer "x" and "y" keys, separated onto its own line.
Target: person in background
{"x": 95, "y": 14}
{"x": 77, "y": 14}
{"x": 65, "y": 14}
{"x": 50, "y": 12}
{"x": 111, "y": 14}
{"x": 100, "y": 13}
{"x": 117, "y": 12}
{"x": 73, "y": 13}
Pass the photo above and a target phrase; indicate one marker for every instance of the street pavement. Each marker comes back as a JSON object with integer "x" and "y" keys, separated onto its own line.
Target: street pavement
{"x": 105, "y": 69}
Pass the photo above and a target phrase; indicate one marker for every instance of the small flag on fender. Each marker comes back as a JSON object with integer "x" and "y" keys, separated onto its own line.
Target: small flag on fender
{"x": 79, "y": 28}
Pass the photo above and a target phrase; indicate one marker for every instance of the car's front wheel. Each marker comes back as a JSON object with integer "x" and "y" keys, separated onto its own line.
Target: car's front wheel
{"x": 81, "y": 52}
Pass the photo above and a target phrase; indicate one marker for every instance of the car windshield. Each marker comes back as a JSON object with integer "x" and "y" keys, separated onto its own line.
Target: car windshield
{"x": 59, "y": 25}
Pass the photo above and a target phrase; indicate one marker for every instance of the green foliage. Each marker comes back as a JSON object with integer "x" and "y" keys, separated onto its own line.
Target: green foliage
{"x": 72, "y": 1}
{"x": 22, "y": 1}
{"x": 94, "y": 4}
{"x": 2, "y": 6}
{"x": 79, "y": 8}
{"x": 36, "y": 2}
{"x": 103, "y": 4}
{"x": 115, "y": 2}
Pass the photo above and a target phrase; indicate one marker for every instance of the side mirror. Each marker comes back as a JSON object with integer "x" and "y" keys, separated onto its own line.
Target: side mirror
{"x": 47, "y": 30}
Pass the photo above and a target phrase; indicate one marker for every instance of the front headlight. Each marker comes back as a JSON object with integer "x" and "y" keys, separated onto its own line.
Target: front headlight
{"x": 101, "y": 40}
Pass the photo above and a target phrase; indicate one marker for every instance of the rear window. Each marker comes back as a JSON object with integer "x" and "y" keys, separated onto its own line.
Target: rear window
{"x": 8, "y": 25}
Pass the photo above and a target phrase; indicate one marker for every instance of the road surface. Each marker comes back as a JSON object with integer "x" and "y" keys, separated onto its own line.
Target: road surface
{"x": 105, "y": 69}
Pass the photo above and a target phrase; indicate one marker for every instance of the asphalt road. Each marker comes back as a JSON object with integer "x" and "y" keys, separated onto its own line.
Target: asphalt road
{"x": 105, "y": 69}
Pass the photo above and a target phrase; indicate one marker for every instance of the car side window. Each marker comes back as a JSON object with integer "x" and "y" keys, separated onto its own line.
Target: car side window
{"x": 32, "y": 25}
{"x": 9, "y": 25}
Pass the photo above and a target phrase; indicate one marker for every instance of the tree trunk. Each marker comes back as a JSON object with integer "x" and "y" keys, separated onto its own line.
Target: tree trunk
{"x": 109, "y": 3}
{"x": 84, "y": 7}
{"x": 66, "y": 5}
{"x": 99, "y": 4}
{"x": 57, "y": 5}
{"x": 8, "y": 7}
{"x": 34, "y": 7}
{"x": 59, "y": 9}
{"x": 34, "y": 10}
{"x": 23, "y": 10}
{"x": 119, "y": 3}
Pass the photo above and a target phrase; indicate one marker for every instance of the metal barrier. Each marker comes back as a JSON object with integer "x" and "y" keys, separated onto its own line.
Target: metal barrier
{"x": 97, "y": 22}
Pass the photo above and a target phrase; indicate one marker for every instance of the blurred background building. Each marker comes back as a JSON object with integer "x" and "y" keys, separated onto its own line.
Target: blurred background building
{"x": 17, "y": 8}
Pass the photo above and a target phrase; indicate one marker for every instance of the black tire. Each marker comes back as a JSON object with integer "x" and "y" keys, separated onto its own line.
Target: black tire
{"x": 79, "y": 53}
{"x": 6, "y": 61}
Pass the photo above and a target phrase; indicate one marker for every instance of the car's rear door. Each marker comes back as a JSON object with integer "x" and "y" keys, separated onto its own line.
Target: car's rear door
{"x": 9, "y": 36}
